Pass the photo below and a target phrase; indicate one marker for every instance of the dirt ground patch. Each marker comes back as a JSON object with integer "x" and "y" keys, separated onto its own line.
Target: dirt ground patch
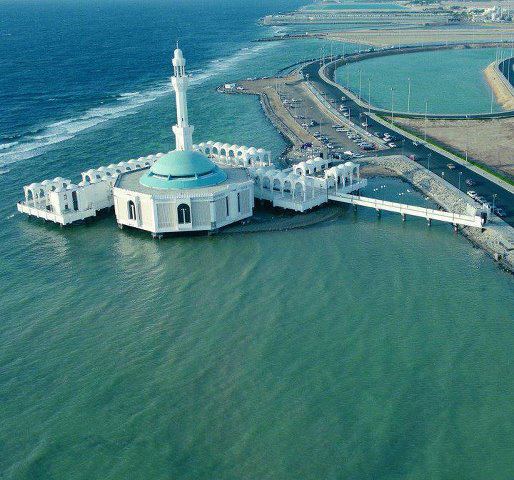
{"x": 404, "y": 36}
{"x": 490, "y": 142}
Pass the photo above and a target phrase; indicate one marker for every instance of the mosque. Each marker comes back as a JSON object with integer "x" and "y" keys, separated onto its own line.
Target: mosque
{"x": 183, "y": 190}
{"x": 200, "y": 187}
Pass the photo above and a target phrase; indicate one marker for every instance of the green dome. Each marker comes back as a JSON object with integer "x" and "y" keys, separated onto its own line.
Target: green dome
{"x": 183, "y": 169}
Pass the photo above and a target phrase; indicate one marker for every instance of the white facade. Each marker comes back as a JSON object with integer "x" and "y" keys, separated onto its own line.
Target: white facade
{"x": 307, "y": 184}
{"x": 203, "y": 210}
{"x": 234, "y": 155}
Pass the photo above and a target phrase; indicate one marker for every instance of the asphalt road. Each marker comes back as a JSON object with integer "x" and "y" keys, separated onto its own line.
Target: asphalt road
{"x": 423, "y": 155}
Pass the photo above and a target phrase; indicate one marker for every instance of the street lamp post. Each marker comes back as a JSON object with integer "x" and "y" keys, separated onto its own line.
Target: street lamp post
{"x": 460, "y": 175}
{"x": 408, "y": 98}
{"x": 360, "y": 83}
{"x": 494, "y": 198}
{"x": 392, "y": 105}
{"x": 428, "y": 162}
{"x": 369, "y": 95}
{"x": 426, "y": 114}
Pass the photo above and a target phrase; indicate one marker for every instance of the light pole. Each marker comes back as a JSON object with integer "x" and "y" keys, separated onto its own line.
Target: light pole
{"x": 428, "y": 163}
{"x": 408, "y": 98}
{"x": 494, "y": 198}
{"x": 369, "y": 95}
{"x": 426, "y": 114}
{"x": 360, "y": 83}
{"x": 460, "y": 175}
{"x": 392, "y": 105}
{"x": 492, "y": 98}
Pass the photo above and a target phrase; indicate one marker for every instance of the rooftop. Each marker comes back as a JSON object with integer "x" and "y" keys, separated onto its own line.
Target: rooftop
{"x": 183, "y": 170}
{"x": 131, "y": 181}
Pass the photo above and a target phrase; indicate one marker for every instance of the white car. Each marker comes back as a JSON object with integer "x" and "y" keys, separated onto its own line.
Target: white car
{"x": 392, "y": 145}
{"x": 348, "y": 152}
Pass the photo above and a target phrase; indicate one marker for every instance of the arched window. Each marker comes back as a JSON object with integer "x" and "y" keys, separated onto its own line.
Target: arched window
{"x": 131, "y": 210}
{"x": 184, "y": 213}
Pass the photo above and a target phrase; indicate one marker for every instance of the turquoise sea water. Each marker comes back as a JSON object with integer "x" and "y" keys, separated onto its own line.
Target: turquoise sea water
{"x": 360, "y": 348}
{"x": 452, "y": 81}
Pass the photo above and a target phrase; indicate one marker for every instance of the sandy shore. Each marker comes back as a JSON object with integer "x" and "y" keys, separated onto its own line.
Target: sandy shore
{"x": 409, "y": 36}
{"x": 498, "y": 83}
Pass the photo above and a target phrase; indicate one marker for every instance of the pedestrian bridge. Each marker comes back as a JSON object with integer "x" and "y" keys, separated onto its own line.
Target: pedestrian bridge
{"x": 475, "y": 218}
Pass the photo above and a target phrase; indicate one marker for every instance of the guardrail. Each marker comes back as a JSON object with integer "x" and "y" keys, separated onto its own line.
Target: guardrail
{"x": 428, "y": 213}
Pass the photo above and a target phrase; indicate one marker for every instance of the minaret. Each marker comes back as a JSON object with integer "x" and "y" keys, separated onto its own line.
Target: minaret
{"x": 182, "y": 130}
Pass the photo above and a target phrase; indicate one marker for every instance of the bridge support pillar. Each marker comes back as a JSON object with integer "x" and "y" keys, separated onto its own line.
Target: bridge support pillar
{"x": 429, "y": 222}
{"x": 120, "y": 226}
{"x": 379, "y": 212}
{"x": 404, "y": 217}
{"x": 455, "y": 227}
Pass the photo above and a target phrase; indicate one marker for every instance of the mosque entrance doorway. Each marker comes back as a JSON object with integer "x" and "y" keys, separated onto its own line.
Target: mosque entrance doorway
{"x": 184, "y": 213}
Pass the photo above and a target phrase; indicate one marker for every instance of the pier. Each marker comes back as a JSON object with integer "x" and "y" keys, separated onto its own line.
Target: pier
{"x": 474, "y": 219}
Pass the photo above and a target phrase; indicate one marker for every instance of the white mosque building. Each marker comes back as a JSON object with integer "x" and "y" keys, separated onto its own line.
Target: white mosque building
{"x": 183, "y": 190}
{"x": 193, "y": 188}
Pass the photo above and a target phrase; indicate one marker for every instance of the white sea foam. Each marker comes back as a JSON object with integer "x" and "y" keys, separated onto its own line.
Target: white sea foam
{"x": 43, "y": 139}
{"x": 5, "y": 146}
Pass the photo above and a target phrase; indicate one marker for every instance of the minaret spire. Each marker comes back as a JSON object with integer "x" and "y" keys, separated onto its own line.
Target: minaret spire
{"x": 180, "y": 81}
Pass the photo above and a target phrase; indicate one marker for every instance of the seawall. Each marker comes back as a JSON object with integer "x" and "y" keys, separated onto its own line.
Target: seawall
{"x": 502, "y": 89}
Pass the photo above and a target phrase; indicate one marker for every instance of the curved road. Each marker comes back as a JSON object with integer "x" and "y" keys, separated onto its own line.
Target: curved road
{"x": 360, "y": 56}
{"x": 423, "y": 155}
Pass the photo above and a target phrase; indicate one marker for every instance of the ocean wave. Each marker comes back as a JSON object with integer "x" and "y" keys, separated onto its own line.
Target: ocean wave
{"x": 5, "y": 146}
{"x": 40, "y": 140}
{"x": 221, "y": 65}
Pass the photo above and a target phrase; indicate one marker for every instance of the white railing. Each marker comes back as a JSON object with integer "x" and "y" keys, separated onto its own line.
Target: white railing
{"x": 404, "y": 209}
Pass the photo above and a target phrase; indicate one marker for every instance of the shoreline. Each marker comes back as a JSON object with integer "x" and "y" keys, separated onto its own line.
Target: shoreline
{"x": 503, "y": 92}
{"x": 497, "y": 240}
